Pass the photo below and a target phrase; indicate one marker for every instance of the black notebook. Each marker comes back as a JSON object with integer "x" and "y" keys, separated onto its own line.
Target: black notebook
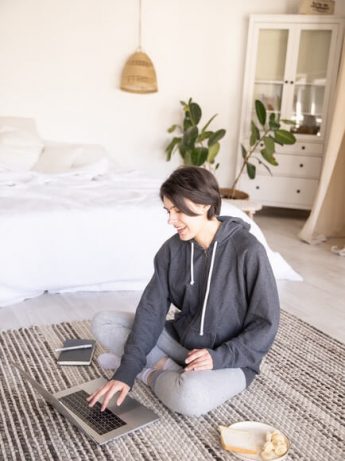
{"x": 77, "y": 356}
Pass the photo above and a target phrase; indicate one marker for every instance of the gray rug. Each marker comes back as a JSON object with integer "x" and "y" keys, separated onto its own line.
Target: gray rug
{"x": 300, "y": 391}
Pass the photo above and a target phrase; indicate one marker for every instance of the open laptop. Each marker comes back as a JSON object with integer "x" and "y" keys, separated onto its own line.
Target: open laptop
{"x": 102, "y": 427}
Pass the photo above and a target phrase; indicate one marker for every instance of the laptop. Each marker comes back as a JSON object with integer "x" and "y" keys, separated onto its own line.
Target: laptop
{"x": 102, "y": 427}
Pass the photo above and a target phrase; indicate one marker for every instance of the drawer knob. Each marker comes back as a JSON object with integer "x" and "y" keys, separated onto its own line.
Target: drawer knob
{"x": 291, "y": 82}
{"x": 303, "y": 147}
{"x": 298, "y": 191}
{"x": 257, "y": 187}
{"x": 286, "y": 81}
{"x": 301, "y": 165}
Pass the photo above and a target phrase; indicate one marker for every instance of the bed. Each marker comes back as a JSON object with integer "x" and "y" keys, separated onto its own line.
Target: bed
{"x": 84, "y": 227}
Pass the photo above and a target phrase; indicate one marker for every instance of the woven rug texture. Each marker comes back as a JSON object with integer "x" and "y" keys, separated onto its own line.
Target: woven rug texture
{"x": 300, "y": 391}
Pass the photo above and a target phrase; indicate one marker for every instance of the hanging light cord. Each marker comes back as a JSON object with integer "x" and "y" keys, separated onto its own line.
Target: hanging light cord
{"x": 139, "y": 28}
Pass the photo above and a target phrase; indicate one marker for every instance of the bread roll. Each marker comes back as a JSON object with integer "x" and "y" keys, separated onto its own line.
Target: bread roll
{"x": 238, "y": 441}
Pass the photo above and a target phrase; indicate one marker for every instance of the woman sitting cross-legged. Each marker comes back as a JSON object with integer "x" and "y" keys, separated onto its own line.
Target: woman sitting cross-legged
{"x": 219, "y": 278}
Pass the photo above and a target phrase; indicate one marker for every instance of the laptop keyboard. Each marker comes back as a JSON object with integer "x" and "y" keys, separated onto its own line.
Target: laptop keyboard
{"x": 101, "y": 422}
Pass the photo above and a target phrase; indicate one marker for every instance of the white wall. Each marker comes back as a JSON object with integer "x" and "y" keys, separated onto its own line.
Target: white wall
{"x": 61, "y": 61}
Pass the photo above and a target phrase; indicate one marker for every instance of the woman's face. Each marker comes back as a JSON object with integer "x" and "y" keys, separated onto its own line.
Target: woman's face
{"x": 188, "y": 227}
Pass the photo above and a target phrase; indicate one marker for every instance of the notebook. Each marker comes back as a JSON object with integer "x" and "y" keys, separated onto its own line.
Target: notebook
{"x": 102, "y": 427}
{"x": 77, "y": 356}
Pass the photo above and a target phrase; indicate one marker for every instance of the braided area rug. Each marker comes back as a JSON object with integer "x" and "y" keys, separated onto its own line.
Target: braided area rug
{"x": 300, "y": 391}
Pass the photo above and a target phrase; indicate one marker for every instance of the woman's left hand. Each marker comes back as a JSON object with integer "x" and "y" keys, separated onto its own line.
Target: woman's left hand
{"x": 199, "y": 359}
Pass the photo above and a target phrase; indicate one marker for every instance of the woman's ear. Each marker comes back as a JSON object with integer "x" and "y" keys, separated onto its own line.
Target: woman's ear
{"x": 206, "y": 208}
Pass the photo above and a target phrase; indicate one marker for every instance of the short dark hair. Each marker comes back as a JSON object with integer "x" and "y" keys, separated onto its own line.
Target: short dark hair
{"x": 196, "y": 184}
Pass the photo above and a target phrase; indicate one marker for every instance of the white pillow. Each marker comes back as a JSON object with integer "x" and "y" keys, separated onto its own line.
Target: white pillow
{"x": 65, "y": 157}
{"x": 57, "y": 158}
{"x": 18, "y": 137}
{"x": 22, "y": 123}
{"x": 19, "y": 148}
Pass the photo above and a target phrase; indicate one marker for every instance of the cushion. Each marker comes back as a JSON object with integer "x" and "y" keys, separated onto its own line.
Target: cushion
{"x": 65, "y": 157}
{"x": 20, "y": 144}
{"x": 56, "y": 159}
{"x": 22, "y": 123}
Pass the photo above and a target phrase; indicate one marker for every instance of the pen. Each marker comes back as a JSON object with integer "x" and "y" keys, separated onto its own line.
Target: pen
{"x": 73, "y": 348}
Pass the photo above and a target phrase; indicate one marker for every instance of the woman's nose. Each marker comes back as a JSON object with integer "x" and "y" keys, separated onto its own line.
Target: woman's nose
{"x": 172, "y": 218}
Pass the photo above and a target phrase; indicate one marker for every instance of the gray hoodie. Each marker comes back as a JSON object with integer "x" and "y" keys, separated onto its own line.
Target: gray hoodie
{"x": 226, "y": 296}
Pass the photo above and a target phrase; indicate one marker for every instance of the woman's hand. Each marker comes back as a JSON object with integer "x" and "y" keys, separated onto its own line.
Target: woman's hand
{"x": 199, "y": 359}
{"x": 108, "y": 390}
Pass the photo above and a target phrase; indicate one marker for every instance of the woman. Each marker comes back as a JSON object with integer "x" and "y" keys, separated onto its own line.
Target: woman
{"x": 218, "y": 276}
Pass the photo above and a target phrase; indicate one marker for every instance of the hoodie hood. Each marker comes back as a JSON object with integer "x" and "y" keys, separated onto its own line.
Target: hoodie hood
{"x": 229, "y": 228}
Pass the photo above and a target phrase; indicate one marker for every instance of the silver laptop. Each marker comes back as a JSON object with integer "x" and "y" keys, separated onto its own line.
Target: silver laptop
{"x": 102, "y": 427}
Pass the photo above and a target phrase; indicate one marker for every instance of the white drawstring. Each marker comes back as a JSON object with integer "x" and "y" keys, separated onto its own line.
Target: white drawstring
{"x": 192, "y": 264}
{"x": 207, "y": 290}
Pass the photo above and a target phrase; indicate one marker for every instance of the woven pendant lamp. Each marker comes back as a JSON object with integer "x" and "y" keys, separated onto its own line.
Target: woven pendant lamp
{"x": 139, "y": 75}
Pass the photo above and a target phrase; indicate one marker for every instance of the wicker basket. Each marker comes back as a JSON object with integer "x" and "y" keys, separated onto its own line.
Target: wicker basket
{"x": 316, "y": 7}
{"x": 139, "y": 75}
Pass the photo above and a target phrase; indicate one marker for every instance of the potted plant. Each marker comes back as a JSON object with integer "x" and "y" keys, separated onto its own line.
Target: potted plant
{"x": 197, "y": 146}
{"x": 262, "y": 146}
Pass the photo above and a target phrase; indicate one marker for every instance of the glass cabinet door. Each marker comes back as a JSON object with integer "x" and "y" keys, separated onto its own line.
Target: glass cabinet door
{"x": 270, "y": 68}
{"x": 310, "y": 81}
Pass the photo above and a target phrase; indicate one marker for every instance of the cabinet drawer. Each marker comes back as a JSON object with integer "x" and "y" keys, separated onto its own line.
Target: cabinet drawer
{"x": 281, "y": 191}
{"x": 301, "y": 148}
{"x": 295, "y": 166}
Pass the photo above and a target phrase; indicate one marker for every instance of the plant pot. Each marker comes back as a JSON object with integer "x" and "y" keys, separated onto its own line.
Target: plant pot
{"x": 233, "y": 194}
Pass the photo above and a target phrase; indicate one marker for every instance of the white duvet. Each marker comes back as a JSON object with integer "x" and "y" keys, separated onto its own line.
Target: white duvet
{"x": 86, "y": 231}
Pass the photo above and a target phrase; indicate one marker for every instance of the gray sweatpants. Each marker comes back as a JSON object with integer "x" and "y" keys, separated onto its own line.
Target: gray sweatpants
{"x": 190, "y": 393}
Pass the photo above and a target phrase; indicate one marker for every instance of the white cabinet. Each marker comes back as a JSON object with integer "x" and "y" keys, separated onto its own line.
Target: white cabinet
{"x": 291, "y": 65}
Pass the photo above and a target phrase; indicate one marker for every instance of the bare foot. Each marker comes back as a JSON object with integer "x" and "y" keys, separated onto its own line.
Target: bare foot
{"x": 161, "y": 363}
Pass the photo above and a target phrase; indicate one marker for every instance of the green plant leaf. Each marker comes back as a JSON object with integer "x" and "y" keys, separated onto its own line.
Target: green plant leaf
{"x": 260, "y": 112}
{"x": 273, "y": 124}
{"x": 212, "y": 152}
{"x": 243, "y": 151}
{"x": 189, "y": 137}
{"x": 215, "y": 137}
{"x": 208, "y": 123}
{"x": 199, "y": 155}
{"x": 173, "y": 128}
{"x": 269, "y": 157}
{"x": 187, "y": 123}
{"x": 276, "y": 141}
{"x": 251, "y": 170}
{"x": 171, "y": 147}
{"x": 182, "y": 149}
{"x": 284, "y": 137}
{"x": 269, "y": 145}
{"x": 204, "y": 135}
{"x": 187, "y": 158}
{"x": 254, "y": 134}
{"x": 195, "y": 113}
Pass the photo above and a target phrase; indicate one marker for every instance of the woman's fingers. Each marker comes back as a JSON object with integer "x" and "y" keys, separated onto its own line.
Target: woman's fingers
{"x": 199, "y": 359}
{"x": 195, "y": 353}
{"x": 108, "y": 390}
{"x": 123, "y": 394}
{"x": 92, "y": 399}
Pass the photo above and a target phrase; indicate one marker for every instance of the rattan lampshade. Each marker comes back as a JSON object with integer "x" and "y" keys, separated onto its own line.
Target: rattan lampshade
{"x": 139, "y": 75}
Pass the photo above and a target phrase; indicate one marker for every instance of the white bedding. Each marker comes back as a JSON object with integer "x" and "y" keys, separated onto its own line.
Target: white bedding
{"x": 83, "y": 230}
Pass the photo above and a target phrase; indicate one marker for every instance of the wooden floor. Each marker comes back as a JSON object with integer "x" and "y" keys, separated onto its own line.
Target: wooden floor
{"x": 319, "y": 299}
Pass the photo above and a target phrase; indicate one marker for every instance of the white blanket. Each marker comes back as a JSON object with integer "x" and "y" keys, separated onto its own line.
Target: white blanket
{"x": 86, "y": 231}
